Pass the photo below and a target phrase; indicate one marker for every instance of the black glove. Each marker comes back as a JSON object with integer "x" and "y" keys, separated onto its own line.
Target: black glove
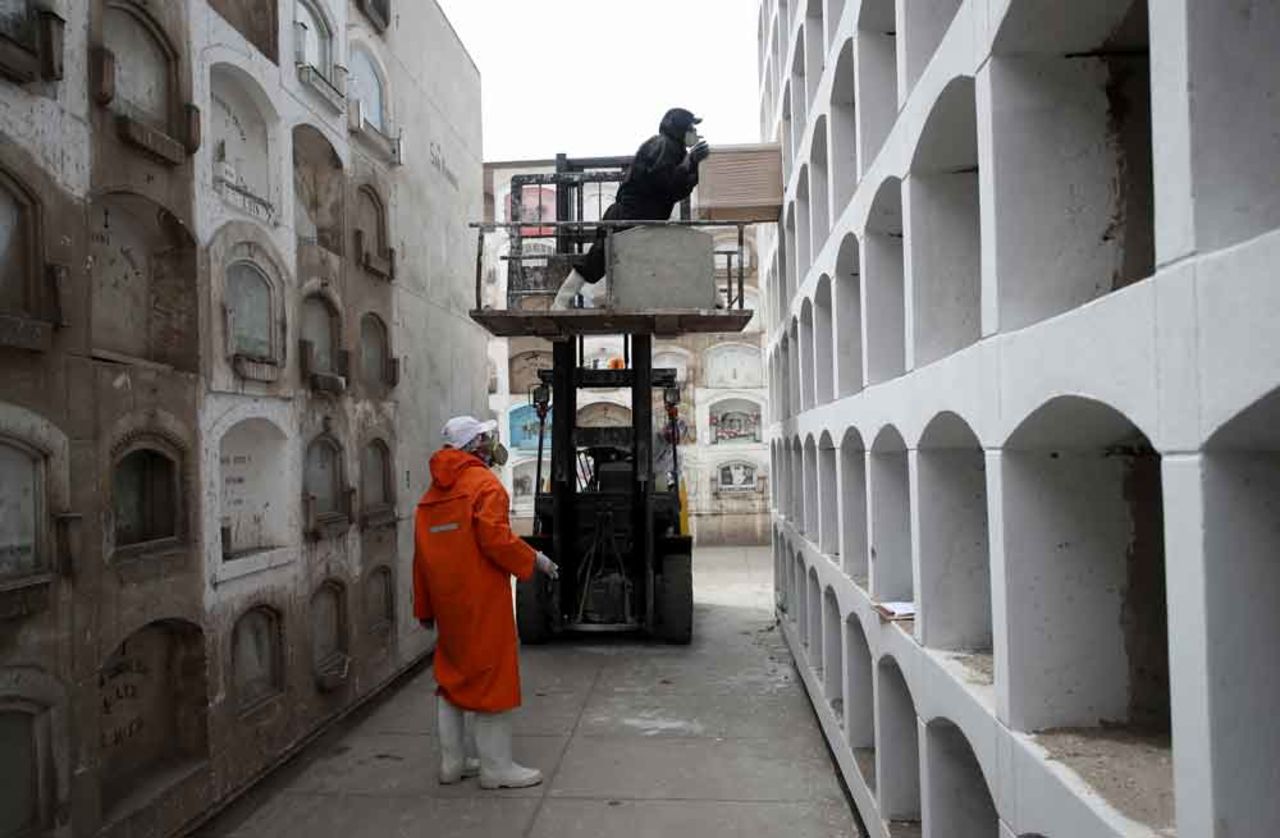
{"x": 699, "y": 152}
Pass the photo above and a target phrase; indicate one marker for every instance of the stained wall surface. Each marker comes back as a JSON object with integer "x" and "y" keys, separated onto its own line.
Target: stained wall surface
{"x": 1056, "y": 373}
{"x": 205, "y": 506}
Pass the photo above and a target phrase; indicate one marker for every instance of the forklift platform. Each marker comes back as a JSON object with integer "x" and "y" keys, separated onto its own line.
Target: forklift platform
{"x": 555, "y": 325}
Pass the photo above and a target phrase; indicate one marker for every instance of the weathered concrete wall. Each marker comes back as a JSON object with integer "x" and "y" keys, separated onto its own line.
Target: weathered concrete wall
{"x": 173, "y": 615}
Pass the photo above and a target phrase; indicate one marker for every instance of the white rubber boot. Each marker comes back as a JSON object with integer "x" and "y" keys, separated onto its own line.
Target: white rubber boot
{"x": 497, "y": 769}
{"x": 457, "y": 743}
{"x": 570, "y": 288}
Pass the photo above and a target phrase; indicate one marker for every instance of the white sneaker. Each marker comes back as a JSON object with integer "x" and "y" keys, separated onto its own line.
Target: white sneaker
{"x": 456, "y": 732}
{"x": 497, "y": 769}
{"x": 570, "y": 288}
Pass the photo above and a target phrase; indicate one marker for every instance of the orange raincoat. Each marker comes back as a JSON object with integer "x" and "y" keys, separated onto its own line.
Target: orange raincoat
{"x": 464, "y": 557}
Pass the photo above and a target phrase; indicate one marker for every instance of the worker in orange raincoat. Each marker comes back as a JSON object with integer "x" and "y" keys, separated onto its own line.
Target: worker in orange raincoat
{"x": 464, "y": 557}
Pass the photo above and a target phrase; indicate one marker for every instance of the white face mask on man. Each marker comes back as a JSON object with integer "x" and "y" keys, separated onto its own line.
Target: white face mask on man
{"x": 691, "y": 137}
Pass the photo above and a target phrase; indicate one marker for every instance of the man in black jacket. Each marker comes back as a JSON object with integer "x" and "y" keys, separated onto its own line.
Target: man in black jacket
{"x": 662, "y": 174}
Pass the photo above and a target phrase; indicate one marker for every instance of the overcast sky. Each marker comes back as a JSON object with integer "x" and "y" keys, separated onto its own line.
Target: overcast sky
{"x": 627, "y": 60}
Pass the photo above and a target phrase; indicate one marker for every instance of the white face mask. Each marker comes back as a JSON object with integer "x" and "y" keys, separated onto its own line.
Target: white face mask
{"x": 691, "y": 138}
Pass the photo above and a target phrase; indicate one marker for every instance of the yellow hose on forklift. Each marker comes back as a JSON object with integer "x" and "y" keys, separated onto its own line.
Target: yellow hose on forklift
{"x": 684, "y": 508}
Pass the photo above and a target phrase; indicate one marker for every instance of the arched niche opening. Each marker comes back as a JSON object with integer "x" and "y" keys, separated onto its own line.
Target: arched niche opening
{"x": 810, "y": 467}
{"x": 733, "y": 365}
{"x": 806, "y": 356}
{"x": 143, "y": 278}
{"x": 24, "y": 541}
{"x": 326, "y": 498}
{"x": 379, "y": 371}
{"x": 832, "y": 654}
{"x": 142, "y": 90}
{"x": 330, "y": 660}
{"x": 888, "y": 485}
{"x": 1240, "y": 485}
{"x": 254, "y": 514}
{"x": 847, "y": 319}
{"x": 735, "y": 421}
{"x": 853, "y": 507}
{"x": 824, "y": 342}
{"x": 943, "y": 235}
{"x": 1072, "y": 185}
{"x": 800, "y": 97}
{"x": 955, "y": 565}
{"x": 959, "y": 797}
{"x": 797, "y": 484}
{"x": 147, "y": 492}
{"x": 859, "y": 700}
{"x": 322, "y": 358}
{"x": 604, "y": 415}
{"x": 1088, "y": 640}
{"x": 835, "y": 11}
{"x": 21, "y": 290}
{"x": 819, "y": 188}
{"x": 844, "y": 131}
{"x": 523, "y": 369}
{"x": 367, "y": 91}
{"x": 897, "y": 749}
{"x": 804, "y": 229}
{"x": 319, "y": 187}
{"x": 153, "y": 700}
{"x": 372, "y": 241}
{"x": 792, "y": 280}
{"x": 377, "y": 484}
{"x": 252, "y": 309}
{"x": 380, "y": 602}
{"x": 241, "y": 127}
{"x": 788, "y": 146}
{"x": 877, "y": 56}
{"x": 813, "y": 630}
{"x": 885, "y": 287}
{"x": 257, "y": 660}
{"x": 828, "y": 534}
{"x": 815, "y": 49}
{"x": 801, "y": 587}
{"x": 923, "y": 27}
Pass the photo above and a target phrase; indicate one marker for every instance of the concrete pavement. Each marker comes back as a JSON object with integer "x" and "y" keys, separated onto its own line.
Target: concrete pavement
{"x": 715, "y": 739}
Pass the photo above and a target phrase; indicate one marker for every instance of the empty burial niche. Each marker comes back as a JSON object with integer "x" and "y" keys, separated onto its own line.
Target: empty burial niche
{"x": 890, "y": 530}
{"x": 1241, "y": 489}
{"x": 853, "y": 507}
{"x": 1084, "y": 558}
{"x": 844, "y": 131}
{"x": 1235, "y": 121}
{"x": 813, "y": 631}
{"x": 923, "y": 27}
{"x": 828, "y": 498}
{"x": 254, "y": 473}
{"x": 944, "y": 252}
{"x": 897, "y": 750}
{"x": 806, "y": 356}
{"x": 835, "y": 11}
{"x": 814, "y": 48}
{"x": 819, "y": 194}
{"x": 959, "y": 803}
{"x": 1073, "y": 192}
{"x": 151, "y": 712}
{"x": 792, "y": 268}
{"x": 955, "y": 568}
{"x": 799, "y": 98}
{"x": 802, "y": 600}
{"x": 832, "y": 654}
{"x": 823, "y": 351}
{"x": 797, "y": 483}
{"x": 804, "y": 232}
{"x": 859, "y": 700}
{"x": 848, "y": 318}
{"x": 885, "y": 315}
{"x": 811, "y": 501}
{"x": 877, "y": 54}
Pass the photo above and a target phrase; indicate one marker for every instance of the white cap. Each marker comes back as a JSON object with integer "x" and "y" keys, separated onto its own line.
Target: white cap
{"x": 459, "y": 431}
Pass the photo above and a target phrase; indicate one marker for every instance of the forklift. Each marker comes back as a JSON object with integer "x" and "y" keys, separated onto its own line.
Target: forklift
{"x": 615, "y": 528}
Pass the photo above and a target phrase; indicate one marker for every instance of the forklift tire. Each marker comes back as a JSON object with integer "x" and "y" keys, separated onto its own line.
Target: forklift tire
{"x": 533, "y": 610}
{"x": 675, "y": 600}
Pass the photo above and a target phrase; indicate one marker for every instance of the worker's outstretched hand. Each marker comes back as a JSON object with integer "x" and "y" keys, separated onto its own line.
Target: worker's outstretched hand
{"x": 699, "y": 152}
{"x": 544, "y": 565}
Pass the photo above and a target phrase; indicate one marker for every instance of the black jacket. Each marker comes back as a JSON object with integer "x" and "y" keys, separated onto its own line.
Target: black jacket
{"x": 661, "y": 175}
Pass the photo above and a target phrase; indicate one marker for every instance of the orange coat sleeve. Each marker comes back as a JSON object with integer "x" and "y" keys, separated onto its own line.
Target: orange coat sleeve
{"x": 421, "y": 591}
{"x": 497, "y": 542}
